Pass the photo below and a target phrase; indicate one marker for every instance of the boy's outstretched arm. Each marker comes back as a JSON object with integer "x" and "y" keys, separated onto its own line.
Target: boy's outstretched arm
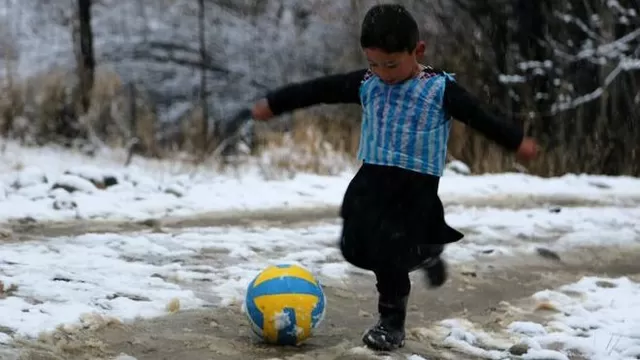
{"x": 460, "y": 104}
{"x": 332, "y": 89}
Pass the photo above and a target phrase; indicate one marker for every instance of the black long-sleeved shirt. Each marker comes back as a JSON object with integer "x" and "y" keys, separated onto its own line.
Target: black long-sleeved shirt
{"x": 344, "y": 88}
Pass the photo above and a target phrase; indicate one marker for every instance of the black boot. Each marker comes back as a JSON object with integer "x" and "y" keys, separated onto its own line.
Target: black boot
{"x": 388, "y": 333}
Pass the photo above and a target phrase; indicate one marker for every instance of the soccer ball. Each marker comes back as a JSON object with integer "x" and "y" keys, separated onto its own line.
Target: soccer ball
{"x": 284, "y": 304}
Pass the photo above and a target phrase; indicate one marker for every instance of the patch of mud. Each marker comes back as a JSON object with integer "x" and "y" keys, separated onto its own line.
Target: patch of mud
{"x": 487, "y": 294}
{"x": 23, "y": 231}
{"x": 29, "y": 228}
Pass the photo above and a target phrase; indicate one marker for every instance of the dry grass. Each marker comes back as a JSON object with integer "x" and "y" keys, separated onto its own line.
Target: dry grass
{"x": 323, "y": 140}
{"x": 45, "y": 108}
{"x": 311, "y": 145}
{"x": 6, "y": 291}
{"x": 321, "y": 143}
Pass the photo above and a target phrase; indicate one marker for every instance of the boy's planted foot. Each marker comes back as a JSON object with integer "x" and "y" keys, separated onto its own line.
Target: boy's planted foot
{"x": 436, "y": 272}
{"x": 382, "y": 337}
{"x": 388, "y": 333}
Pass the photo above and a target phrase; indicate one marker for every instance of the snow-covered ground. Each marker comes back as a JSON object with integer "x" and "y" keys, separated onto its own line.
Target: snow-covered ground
{"x": 49, "y": 282}
{"x": 49, "y": 184}
{"x": 139, "y": 274}
{"x": 594, "y": 318}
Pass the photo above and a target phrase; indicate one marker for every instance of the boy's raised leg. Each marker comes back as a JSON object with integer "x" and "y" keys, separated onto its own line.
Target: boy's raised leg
{"x": 436, "y": 272}
{"x": 434, "y": 267}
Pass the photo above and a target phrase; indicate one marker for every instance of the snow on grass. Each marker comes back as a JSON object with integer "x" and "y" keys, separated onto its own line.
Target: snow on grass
{"x": 4, "y": 338}
{"x": 594, "y": 318}
{"x": 600, "y": 318}
{"x": 50, "y": 184}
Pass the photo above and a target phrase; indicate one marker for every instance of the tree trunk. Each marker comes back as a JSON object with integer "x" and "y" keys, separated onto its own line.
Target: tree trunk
{"x": 203, "y": 76}
{"x": 85, "y": 54}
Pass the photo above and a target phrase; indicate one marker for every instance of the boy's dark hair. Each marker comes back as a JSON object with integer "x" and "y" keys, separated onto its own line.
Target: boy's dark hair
{"x": 389, "y": 27}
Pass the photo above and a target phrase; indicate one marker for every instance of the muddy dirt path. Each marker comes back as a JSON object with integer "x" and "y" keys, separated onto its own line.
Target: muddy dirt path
{"x": 477, "y": 292}
{"x": 30, "y": 229}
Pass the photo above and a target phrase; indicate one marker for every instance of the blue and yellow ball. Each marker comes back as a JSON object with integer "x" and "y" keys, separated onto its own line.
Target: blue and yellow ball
{"x": 284, "y": 304}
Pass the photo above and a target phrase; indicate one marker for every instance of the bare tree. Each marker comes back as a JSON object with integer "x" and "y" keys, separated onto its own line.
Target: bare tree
{"x": 203, "y": 75}
{"x": 85, "y": 56}
{"x": 567, "y": 70}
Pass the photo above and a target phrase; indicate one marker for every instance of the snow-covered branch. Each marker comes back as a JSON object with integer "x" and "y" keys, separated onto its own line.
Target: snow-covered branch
{"x": 565, "y": 104}
{"x": 582, "y": 47}
{"x": 612, "y": 50}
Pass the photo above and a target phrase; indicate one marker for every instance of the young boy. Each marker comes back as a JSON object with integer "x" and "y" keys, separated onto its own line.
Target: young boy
{"x": 393, "y": 219}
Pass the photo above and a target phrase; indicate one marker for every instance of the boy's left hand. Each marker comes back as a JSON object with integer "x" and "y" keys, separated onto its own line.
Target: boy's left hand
{"x": 261, "y": 110}
{"x": 528, "y": 149}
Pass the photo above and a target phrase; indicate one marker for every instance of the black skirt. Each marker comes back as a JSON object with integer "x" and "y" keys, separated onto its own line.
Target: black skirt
{"x": 393, "y": 217}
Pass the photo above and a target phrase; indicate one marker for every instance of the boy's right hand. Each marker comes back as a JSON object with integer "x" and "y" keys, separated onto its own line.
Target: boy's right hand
{"x": 261, "y": 110}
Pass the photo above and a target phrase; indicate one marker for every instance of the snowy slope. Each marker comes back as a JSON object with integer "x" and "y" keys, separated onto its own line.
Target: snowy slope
{"x": 68, "y": 280}
{"x": 53, "y": 184}
{"x": 594, "y": 318}
{"x": 155, "y": 43}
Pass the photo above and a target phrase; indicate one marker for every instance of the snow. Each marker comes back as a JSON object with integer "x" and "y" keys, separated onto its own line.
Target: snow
{"x": 79, "y": 279}
{"x": 544, "y": 355}
{"x": 152, "y": 42}
{"x": 59, "y": 279}
{"x": 363, "y": 352}
{"x": 527, "y": 328}
{"x": 4, "y": 338}
{"x": 595, "y": 318}
{"x": 124, "y": 357}
{"x": 615, "y": 55}
{"x": 31, "y": 182}
{"x": 282, "y": 321}
{"x": 599, "y": 320}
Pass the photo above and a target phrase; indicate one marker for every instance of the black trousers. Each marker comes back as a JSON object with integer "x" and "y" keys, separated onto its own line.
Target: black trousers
{"x": 393, "y": 283}
{"x": 393, "y": 220}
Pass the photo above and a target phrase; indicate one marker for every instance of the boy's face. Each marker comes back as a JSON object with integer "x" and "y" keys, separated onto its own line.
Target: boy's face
{"x": 393, "y": 68}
